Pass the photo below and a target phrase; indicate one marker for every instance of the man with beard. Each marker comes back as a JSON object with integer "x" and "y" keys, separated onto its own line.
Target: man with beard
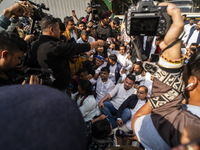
{"x": 193, "y": 35}
{"x": 85, "y": 38}
{"x": 119, "y": 94}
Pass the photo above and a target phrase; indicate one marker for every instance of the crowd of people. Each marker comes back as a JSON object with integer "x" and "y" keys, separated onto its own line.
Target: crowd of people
{"x": 108, "y": 88}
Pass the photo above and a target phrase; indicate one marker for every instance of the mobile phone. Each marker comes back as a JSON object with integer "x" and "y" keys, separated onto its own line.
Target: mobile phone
{"x": 73, "y": 11}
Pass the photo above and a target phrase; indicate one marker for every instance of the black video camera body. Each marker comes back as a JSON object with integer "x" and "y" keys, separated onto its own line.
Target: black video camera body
{"x": 146, "y": 19}
{"x": 45, "y": 74}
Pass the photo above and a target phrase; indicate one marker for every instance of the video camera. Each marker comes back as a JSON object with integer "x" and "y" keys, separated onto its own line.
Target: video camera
{"x": 94, "y": 9}
{"x": 38, "y": 13}
{"x": 45, "y": 74}
{"x": 146, "y": 19}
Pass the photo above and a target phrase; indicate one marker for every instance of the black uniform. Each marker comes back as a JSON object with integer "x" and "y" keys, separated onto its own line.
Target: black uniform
{"x": 54, "y": 54}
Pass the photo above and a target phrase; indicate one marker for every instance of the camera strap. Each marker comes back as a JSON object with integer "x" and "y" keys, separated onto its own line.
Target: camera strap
{"x": 173, "y": 43}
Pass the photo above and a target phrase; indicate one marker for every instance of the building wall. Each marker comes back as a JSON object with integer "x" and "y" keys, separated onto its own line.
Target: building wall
{"x": 58, "y": 8}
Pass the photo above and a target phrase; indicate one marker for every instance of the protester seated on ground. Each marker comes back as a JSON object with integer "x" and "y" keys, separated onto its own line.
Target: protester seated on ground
{"x": 134, "y": 103}
{"x": 75, "y": 63}
{"x": 122, "y": 58}
{"x": 117, "y": 73}
{"x": 85, "y": 100}
{"x": 101, "y": 130}
{"x": 111, "y": 47}
{"x": 190, "y": 133}
{"x": 103, "y": 86}
{"x": 95, "y": 65}
{"x": 31, "y": 113}
{"x": 163, "y": 114}
{"x": 137, "y": 69}
{"x": 81, "y": 75}
{"x": 118, "y": 95}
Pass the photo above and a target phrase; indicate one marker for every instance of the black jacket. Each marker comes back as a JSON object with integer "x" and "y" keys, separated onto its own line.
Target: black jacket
{"x": 130, "y": 102}
{"x": 54, "y": 54}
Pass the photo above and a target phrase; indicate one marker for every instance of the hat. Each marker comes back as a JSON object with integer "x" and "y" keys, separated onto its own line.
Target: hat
{"x": 37, "y": 117}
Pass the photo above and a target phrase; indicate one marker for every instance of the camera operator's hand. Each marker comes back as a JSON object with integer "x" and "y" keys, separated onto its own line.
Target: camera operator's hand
{"x": 89, "y": 10}
{"x": 74, "y": 14}
{"x": 173, "y": 33}
{"x": 120, "y": 123}
{"x": 19, "y": 9}
{"x": 33, "y": 80}
{"x": 28, "y": 37}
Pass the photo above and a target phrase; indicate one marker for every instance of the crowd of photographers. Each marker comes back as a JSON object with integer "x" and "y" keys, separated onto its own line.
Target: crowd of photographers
{"x": 130, "y": 90}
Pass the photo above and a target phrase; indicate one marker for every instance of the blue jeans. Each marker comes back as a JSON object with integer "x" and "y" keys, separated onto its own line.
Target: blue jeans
{"x": 109, "y": 110}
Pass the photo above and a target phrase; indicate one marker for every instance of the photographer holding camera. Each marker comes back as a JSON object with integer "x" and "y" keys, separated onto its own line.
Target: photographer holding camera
{"x": 49, "y": 52}
{"x": 160, "y": 122}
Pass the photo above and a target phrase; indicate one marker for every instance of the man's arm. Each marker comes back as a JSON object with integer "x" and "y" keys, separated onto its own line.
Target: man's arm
{"x": 65, "y": 49}
{"x": 144, "y": 110}
{"x": 17, "y": 10}
{"x": 109, "y": 96}
{"x": 124, "y": 105}
{"x": 101, "y": 105}
{"x": 173, "y": 33}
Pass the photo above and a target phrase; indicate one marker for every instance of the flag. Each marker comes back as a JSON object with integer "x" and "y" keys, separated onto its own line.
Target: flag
{"x": 108, "y": 4}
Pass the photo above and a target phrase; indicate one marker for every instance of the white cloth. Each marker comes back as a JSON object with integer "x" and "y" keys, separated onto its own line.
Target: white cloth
{"x": 193, "y": 38}
{"x": 139, "y": 104}
{"x": 102, "y": 89}
{"x": 98, "y": 70}
{"x": 122, "y": 59}
{"x": 88, "y": 107}
{"x": 145, "y": 81}
{"x": 73, "y": 35}
{"x": 153, "y": 47}
{"x": 112, "y": 72}
{"x": 119, "y": 94}
{"x": 187, "y": 28}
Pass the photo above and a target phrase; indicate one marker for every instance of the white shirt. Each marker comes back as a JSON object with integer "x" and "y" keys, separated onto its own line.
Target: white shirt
{"x": 119, "y": 94}
{"x": 146, "y": 81}
{"x": 122, "y": 59}
{"x": 139, "y": 104}
{"x": 153, "y": 47}
{"x": 102, "y": 88}
{"x": 88, "y": 107}
{"x": 193, "y": 38}
{"x": 187, "y": 28}
{"x": 73, "y": 35}
{"x": 98, "y": 70}
{"x": 112, "y": 72}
